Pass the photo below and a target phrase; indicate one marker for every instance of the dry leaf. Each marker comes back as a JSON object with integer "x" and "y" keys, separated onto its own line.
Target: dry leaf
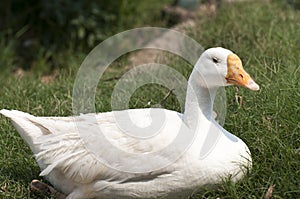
{"x": 269, "y": 192}
{"x": 46, "y": 79}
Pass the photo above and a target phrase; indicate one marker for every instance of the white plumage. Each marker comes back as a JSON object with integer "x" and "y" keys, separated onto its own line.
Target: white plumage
{"x": 65, "y": 157}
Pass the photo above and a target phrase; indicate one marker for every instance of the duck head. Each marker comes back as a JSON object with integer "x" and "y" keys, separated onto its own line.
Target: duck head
{"x": 221, "y": 67}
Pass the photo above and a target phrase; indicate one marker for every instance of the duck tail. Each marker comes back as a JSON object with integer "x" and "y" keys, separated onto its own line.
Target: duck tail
{"x": 28, "y": 127}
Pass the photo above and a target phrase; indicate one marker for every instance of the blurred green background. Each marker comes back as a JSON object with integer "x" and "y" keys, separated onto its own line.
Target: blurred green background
{"x": 32, "y": 30}
{"x": 39, "y": 34}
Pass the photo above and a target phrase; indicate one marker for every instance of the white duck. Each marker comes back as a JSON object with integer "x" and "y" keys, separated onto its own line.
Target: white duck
{"x": 200, "y": 153}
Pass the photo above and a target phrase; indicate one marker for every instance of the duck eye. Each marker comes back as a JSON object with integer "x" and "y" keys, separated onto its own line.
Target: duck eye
{"x": 215, "y": 60}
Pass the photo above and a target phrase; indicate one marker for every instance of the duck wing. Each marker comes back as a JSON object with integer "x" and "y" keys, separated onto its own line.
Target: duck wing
{"x": 71, "y": 145}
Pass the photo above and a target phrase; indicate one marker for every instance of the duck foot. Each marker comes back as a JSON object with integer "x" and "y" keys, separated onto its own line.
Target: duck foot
{"x": 38, "y": 187}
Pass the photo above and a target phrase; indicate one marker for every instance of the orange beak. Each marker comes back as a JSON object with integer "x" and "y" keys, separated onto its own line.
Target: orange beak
{"x": 237, "y": 75}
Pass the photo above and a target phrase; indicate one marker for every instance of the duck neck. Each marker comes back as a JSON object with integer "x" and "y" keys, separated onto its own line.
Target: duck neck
{"x": 199, "y": 100}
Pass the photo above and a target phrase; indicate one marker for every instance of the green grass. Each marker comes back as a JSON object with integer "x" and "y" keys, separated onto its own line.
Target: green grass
{"x": 265, "y": 36}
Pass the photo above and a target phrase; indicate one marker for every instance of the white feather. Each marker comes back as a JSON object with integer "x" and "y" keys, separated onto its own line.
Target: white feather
{"x": 60, "y": 147}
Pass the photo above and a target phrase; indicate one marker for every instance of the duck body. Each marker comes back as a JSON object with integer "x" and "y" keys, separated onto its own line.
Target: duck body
{"x": 103, "y": 156}
{"x": 64, "y": 160}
